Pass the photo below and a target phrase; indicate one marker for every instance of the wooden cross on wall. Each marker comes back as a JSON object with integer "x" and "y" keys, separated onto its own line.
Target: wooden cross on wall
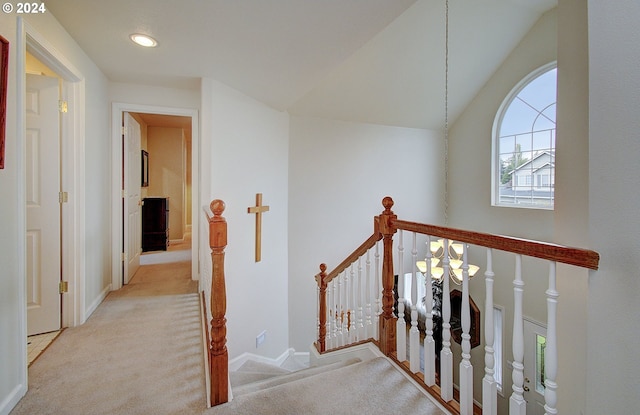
{"x": 258, "y": 209}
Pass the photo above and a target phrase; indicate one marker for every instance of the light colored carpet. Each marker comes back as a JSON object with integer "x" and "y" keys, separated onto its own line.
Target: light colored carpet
{"x": 139, "y": 353}
{"x": 260, "y": 384}
{"x": 160, "y": 279}
{"x": 372, "y": 387}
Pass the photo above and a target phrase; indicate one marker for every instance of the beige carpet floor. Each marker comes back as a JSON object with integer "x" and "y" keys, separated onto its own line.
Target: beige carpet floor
{"x": 139, "y": 353}
{"x": 373, "y": 387}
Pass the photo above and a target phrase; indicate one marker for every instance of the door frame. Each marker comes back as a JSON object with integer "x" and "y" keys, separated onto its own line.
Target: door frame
{"x": 72, "y": 177}
{"x": 534, "y": 326}
{"x": 117, "y": 109}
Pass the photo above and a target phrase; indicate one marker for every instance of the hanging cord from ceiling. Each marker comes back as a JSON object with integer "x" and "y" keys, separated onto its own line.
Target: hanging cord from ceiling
{"x": 446, "y": 115}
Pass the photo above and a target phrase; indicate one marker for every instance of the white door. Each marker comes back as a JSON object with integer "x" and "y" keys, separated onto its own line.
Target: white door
{"x": 132, "y": 201}
{"x": 43, "y": 205}
{"x": 535, "y": 337}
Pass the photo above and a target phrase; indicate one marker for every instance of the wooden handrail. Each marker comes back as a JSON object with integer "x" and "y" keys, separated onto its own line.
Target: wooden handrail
{"x": 567, "y": 255}
{"x": 323, "y": 278}
{"x": 385, "y": 226}
{"x": 218, "y": 355}
{"x": 361, "y": 250}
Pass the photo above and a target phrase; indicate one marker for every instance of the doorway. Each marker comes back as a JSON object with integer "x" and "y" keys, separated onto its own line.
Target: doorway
{"x": 535, "y": 339}
{"x": 43, "y": 202}
{"x": 158, "y": 177}
{"x": 69, "y": 310}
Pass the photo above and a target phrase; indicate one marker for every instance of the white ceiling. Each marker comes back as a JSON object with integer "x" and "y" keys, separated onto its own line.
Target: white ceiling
{"x": 377, "y": 61}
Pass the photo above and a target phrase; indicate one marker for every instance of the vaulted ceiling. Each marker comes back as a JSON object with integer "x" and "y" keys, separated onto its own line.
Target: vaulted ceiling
{"x": 376, "y": 61}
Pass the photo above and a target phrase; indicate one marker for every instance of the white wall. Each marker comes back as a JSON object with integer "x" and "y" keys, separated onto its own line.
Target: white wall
{"x": 614, "y": 146}
{"x": 571, "y": 213}
{"x": 95, "y": 241}
{"x": 245, "y": 151}
{"x": 12, "y": 333}
{"x": 153, "y": 95}
{"x": 469, "y": 194}
{"x": 339, "y": 172}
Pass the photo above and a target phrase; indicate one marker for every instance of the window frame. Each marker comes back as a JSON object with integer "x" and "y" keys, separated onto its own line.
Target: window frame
{"x": 495, "y": 139}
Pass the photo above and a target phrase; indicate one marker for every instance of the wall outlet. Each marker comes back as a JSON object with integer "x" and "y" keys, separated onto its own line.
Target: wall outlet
{"x": 261, "y": 338}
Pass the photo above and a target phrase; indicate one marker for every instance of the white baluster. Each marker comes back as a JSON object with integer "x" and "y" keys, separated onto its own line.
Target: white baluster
{"x": 339, "y": 311}
{"x": 327, "y": 337}
{"x": 429, "y": 343}
{"x": 446, "y": 357}
{"x": 333, "y": 330}
{"x": 517, "y": 404}
{"x": 360, "y": 322}
{"x": 551, "y": 349}
{"x": 489, "y": 385}
{"x": 334, "y": 313}
{"x": 414, "y": 334}
{"x": 401, "y": 325}
{"x": 466, "y": 369}
{"x": 368, "y": 333}
{"x": 377, "y": 293}
{"x": 353, "y": 335}
{"x": 347, "y": 306}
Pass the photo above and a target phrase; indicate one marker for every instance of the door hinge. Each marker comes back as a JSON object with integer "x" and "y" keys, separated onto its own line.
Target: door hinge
{"x": 124, "y": 193}
{"x": 123, "y": 256}
{"x": 63, "y": 197}
{"x": 63, "y": 287}
{"x": 63, "y": 106}
{"x": 124, "y": 130}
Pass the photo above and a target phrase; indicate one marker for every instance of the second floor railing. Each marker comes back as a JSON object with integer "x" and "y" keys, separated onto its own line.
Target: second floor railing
{"x": 357, "y": 303}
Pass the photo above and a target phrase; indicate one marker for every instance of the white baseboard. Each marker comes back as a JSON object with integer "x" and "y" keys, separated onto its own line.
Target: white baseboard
{"x": 364, "y": 351}
{"x": 235, "y": 363}
{"x": 302, "y": 357}
{"x": 8, "y": 403}
{"x": 92, "y": 307}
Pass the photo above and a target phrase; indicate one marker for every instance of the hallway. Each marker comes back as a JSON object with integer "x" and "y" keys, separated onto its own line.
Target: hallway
{"x": 160, "y": 279}
{"x": 140, "y": 352}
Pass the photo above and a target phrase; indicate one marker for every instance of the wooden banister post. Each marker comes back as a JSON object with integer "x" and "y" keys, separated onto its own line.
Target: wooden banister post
{"x": 387, "y": 319}
{"x": 322, "y": 309}
{"x": 218, "y": 355}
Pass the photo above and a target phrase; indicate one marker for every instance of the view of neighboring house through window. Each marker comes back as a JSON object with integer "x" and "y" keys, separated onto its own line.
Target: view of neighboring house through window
{"x": 525, "y": 142}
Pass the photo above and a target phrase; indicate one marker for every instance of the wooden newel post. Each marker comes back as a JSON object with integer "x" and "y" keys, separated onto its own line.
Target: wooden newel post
{"x": 387, "y": 318}
{"x": 321, "y": 279}
{"x": 218, "y": 355}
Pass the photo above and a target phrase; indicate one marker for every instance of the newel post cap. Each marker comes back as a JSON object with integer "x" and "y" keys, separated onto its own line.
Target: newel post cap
{"x": 217, "y": 226}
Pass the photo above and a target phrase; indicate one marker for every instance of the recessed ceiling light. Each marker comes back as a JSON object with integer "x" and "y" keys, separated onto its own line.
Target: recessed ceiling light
{"x": 144, "y": 40}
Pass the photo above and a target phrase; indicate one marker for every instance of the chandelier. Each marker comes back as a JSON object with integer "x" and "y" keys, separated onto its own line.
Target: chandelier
{"x": 455, "y": 253}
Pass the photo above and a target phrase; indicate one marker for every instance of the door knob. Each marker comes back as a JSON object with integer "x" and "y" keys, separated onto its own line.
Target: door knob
{"x": 526, "y": 389}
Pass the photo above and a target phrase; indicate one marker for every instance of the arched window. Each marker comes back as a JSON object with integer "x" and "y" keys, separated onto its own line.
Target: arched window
{"x": 524, "y": 143}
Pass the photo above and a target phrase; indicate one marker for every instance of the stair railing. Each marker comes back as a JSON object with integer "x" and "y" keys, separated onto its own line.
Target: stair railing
{"x": 341, "y": 294}
{"x": 218, "y": 355}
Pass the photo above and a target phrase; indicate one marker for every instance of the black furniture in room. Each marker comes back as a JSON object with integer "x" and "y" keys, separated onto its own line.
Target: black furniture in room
{"x": 155, "y": 224}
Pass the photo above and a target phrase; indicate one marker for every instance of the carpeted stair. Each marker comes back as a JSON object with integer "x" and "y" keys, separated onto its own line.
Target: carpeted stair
{"x": 369, "y": 387}
{"x": 259, "y": 376}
